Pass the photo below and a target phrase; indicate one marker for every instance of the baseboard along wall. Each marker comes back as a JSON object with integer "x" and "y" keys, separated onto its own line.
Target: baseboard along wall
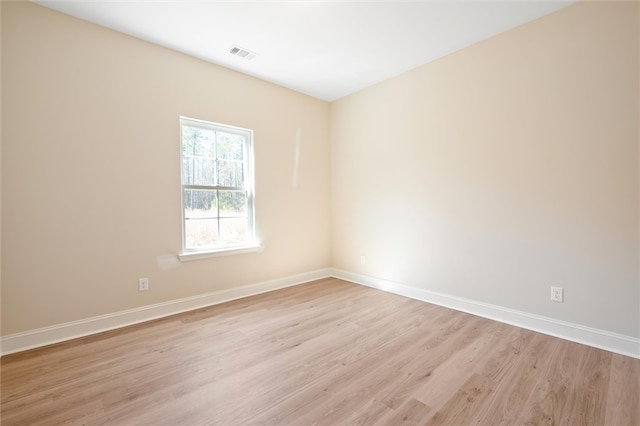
{"x": 613, "y": 342}
{"x": 625, "y": 345}
{"x": 31, "y": 339}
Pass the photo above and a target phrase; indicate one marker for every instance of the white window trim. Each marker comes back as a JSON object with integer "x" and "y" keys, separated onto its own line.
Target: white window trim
{"x": 252, "y": 245}
{"x": 195, "y": 255}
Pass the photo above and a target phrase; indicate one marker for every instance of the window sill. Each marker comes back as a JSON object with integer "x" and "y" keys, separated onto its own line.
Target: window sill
{"x": 217, "y": 253}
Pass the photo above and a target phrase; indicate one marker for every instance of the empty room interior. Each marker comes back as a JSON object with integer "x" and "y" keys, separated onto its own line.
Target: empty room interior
{"x": 318, "y": 212}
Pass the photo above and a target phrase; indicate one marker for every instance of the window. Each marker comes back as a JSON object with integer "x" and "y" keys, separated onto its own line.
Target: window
{"x": 217, "y": 187}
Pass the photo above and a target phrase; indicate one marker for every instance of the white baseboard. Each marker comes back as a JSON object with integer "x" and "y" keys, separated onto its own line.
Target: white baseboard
{"x": 57, "y": 333}
{"x": 625, "y": 345}
{"x": 613, "y": 342}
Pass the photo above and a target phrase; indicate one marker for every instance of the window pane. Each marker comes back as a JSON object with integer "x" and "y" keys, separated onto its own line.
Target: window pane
{"x": 233, "y": 203}
{"x": 231, "y": 173}
{"x": 200, "y": 203}
{"x": 198, "y": 170}
{"x": 233, "y": 231}
{"x": 200, "y": 233}
{"x": 197, "y": 141}
{"x": 230, "y": 146}
{"x": 198, "y": 156}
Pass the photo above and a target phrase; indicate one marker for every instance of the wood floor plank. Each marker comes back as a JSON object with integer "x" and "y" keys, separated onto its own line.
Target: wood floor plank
{"x": 514, "y": 372}
{"x": 418, "y": 369}
{"x": 623, "y": 396}
{"x": 462, "y": 405}
{"x": 451, "y": 374}
{"x": 369, "y": 412}
{"x": 573, "y": 389}
{"x": 410, "y": 412}
{"x": 326, "y": 353}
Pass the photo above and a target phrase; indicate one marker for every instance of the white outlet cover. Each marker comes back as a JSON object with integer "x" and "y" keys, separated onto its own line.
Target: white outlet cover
{"x": 143, "y": 284}
{"x": 557, "y": 294}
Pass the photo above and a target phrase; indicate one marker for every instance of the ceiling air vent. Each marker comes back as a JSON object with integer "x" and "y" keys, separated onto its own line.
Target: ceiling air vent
{"x": 242, "y": 52}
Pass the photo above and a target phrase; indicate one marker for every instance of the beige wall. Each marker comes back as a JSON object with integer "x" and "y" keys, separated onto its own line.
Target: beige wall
{"x": 503, "y": 169}
{"x": 490, "y": 174}
{"x": 90, "y": 171}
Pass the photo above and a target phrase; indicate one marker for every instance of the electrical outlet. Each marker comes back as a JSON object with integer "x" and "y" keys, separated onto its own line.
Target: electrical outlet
{"x": 557, "y": 294}
{"x": 363, "y": 260}
{"x": 143, "y": 284}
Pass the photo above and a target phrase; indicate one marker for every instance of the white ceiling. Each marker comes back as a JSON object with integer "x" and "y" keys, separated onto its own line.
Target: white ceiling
{"x": 326, "y": 49}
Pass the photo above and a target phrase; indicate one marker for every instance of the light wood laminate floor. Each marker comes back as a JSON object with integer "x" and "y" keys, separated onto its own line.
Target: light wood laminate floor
{"x": 327, "y": 353}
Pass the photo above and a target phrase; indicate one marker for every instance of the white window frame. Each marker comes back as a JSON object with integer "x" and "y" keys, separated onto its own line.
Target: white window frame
{"x": 251, "y": 245}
